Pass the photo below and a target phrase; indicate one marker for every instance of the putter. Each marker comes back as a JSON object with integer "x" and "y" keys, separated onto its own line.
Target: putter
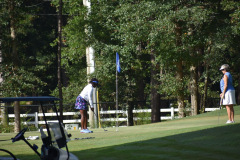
{"x": 100, "y": 122}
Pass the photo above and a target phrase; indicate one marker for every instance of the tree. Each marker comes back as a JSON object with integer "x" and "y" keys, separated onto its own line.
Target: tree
{"x": 129, "y": 29}
{"x": 60, "y": 58}
{"x": 74, "y": 50}
{"x": 14, "y": 55}
{"x": 22, "y": 48}
{"x": 179, "y": 43}
{"x": 232, "y": 7}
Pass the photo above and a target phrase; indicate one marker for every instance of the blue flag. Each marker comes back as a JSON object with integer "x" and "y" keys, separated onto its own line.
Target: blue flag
{"x": 118, "y": 62}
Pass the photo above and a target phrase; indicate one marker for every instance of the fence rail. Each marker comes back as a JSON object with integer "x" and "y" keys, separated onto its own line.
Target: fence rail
{"x": 36, "y": 115}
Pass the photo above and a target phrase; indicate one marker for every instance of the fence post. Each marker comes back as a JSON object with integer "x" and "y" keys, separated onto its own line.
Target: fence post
{"x": 172, "y": 113}
{"x": 36, "y": 119}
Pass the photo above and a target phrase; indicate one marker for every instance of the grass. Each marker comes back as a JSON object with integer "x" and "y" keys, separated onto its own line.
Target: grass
{"x": 203, "y": 136}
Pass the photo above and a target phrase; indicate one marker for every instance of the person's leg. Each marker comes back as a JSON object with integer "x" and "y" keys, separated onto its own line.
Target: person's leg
{"x": 228, "y": 112}
{"x": 82, "y": 119}
{"x": 85, "y": 119}
{"x": 87, "y": 130}
{"x": 231, "y": 113}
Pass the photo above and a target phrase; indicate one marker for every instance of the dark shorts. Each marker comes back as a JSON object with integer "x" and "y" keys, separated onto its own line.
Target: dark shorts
{"x": 81, "y": 103}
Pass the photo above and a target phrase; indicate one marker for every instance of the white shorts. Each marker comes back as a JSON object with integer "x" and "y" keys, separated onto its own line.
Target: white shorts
{"x": 229, "y": 98}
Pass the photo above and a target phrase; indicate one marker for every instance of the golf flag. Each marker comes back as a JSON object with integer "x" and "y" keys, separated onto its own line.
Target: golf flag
{"x": 118, "y": 63}
{"x": 118, "y": 69}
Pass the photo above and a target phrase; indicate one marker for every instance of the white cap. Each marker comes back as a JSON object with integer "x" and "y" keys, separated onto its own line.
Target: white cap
{"x": 224, "y": 66}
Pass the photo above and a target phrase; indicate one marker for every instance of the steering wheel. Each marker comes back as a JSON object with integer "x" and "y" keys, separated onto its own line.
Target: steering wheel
{"x": 20, "y": 135}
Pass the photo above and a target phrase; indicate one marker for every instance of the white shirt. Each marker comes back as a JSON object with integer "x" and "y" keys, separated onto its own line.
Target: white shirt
{"x": 87, "y": 93}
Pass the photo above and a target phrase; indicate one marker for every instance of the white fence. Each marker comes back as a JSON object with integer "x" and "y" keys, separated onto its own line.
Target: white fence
{"x": 36, "y": 115}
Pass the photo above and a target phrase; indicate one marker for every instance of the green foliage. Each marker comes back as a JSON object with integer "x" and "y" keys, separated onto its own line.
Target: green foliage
{"x": 34, "y": 56}
{"x": 6, "y": 129}
{"x": 233, "y": 8}
{"x": 70, "y": 93}
{"x": 178, "y": 31}
{"x": 194, "y": 32}
{"x": 143, "y": 118}
{"x": 17, "y": 82}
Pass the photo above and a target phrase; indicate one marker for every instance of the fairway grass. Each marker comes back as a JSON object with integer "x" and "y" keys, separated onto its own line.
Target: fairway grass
{"x": 203, "y": 136}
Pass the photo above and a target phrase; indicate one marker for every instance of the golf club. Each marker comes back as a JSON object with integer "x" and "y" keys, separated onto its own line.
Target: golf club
{"x": 99, "y": 122}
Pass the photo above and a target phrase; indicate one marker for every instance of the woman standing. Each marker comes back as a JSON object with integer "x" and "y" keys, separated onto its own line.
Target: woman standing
{"x": 228, "y": 92}
{"x": 81, "y": 103}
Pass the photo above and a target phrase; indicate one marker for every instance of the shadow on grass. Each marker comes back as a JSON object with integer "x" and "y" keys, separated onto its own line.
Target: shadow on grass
{"x": 219, "y": 143}
{"x": 214, "y": 143}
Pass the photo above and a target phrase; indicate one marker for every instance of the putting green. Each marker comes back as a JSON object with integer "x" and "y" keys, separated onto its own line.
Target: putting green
{"x": 204, "y": 136}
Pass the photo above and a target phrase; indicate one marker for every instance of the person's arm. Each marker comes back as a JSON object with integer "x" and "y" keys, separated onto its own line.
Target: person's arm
{"x": 225, "y": 79}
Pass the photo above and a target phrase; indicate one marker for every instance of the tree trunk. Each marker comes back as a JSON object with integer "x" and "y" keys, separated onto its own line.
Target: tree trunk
{"x": 140, "y": 79}
{"x": 4, "y": 114}
{"x": 13, "y": 33}
{"x": 17, "y": 121}
{"x": 4, "y": 111}
{"x": 130, "y": 114}
{"x": 15, "y": 59}
{"x": 155, "y": 96}
{"x": 90, "y": 68}
{"x": 140, "y": 91}
{"x": 59, "y": 60}
{"x": 194, "y": 90}
{"x": 206, "y": 81}
{"x": 179, "y": 74}
{"x": 180, "y": 96}
{"x": 205, "y": 90}
{"x": 238, "y": 91}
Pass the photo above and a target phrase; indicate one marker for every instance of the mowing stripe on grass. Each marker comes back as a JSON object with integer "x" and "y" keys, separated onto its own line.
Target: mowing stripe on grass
{"x": 197, "y": 137}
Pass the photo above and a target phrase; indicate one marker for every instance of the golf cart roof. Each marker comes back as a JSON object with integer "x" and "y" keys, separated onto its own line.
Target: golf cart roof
{"x": 40, "y": 98}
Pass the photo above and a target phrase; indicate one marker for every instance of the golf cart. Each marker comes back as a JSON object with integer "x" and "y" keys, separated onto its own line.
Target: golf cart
{"x": 56, "y": 137}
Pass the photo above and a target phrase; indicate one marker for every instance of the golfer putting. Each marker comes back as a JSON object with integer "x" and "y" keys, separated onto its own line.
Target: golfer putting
{"x": 85, "y": 97}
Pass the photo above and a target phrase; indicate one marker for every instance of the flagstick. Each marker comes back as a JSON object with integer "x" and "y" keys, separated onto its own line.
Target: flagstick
{"x": 116, "y": 99}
